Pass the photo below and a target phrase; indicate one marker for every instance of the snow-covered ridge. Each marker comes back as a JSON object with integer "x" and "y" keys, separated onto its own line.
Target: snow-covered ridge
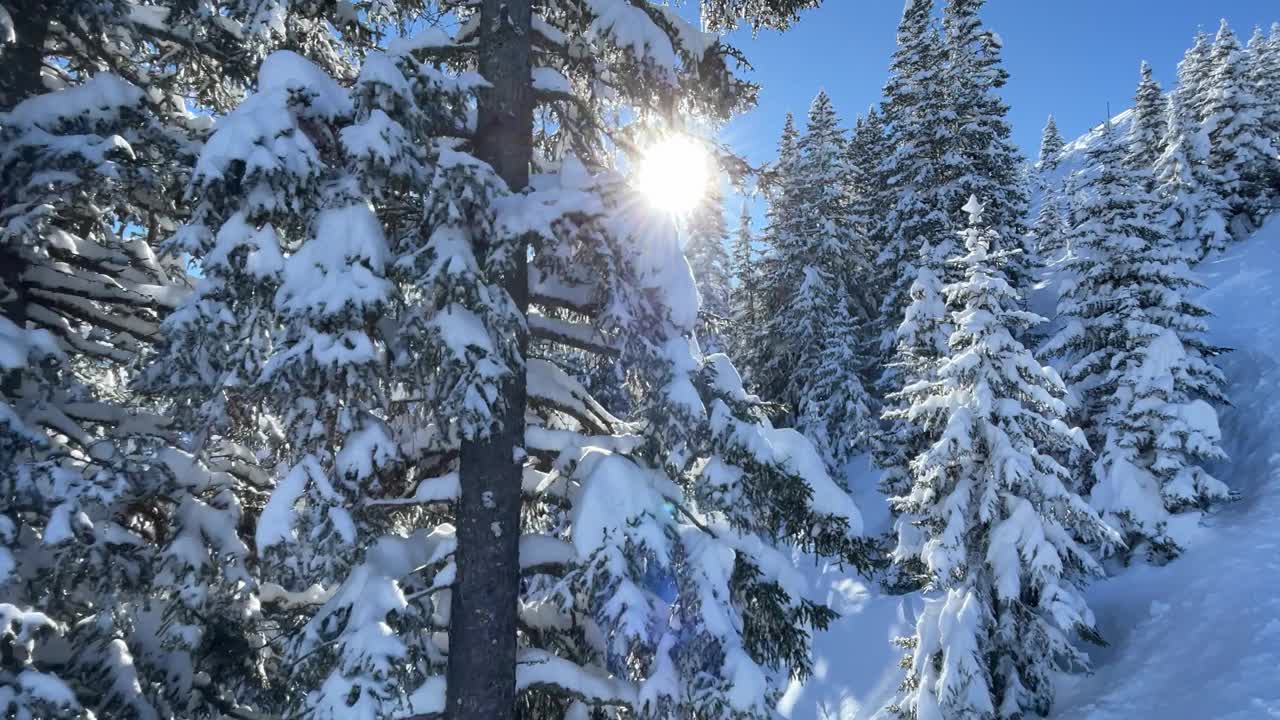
{"x": 1073, "y": 153}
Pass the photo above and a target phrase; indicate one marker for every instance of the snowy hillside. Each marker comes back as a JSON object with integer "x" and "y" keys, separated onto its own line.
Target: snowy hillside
{"x": 1199, "y": 638}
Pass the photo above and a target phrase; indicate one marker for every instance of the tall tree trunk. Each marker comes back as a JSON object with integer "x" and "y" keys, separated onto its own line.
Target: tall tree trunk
{"x": 482, "y": 630}
{"x": 20, "y": 70}
{"x": 19, "y": 79}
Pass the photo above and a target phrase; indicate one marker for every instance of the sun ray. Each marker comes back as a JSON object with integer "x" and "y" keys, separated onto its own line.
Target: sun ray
{"x": 674, "y": 174}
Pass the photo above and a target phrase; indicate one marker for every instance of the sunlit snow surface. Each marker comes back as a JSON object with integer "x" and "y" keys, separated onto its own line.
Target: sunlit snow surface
{"x": 1197, "y": 639}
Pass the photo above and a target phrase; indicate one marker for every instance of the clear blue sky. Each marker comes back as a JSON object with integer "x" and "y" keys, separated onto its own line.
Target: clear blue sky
{"x": 1066, "y": 57}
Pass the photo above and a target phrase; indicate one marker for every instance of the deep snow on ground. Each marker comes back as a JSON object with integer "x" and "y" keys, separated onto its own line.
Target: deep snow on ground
{"x": 1196, "y": 639}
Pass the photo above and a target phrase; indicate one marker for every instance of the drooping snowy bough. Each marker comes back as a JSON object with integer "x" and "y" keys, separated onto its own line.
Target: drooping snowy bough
{"x": 349, "y": 330}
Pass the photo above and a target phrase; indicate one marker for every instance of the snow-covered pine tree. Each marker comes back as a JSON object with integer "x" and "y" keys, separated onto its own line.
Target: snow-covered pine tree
{"x": 649, "y": 60}
{"x": 921, "y": 345}
{"x": 982, "y": 159}
{"x": 835, "y": 410}
{"x": 1001, "y": 521}
{"x": 1193, "y": 77}
{"x": 1147, "y": 121}
{"x": 1240, "y": 153}
{"x": 917, "y": 240}
{"x": 1269, "y": 74}
{"x": 642, "y": 540}
{"x": 811, "y": 321}
{"x": 1135, "y": 359}
{"x": 1051, "y": 145}
{"x": 914, "y": 100}
{"x": 777, "y": 278}
{"x": 745, "y": 293}
{"x": 829, "y": 211}
{"x": 1050, "y": 223}
{"x": 869, "y": 200}
{"x": 347, "y": 330}
{"x": 697, "y": 470}
{"x": 686, "y": 503}
{"x": 706, "y": 234}
{"x": 1263, "y": 76}
{"x": 1194, "y": 212}
{"x": 98, "y": 136}
{"x": 1049, "y": 227}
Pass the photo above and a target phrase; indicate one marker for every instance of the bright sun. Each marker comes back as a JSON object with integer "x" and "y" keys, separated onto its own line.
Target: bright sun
{"x": 674, "y": 174}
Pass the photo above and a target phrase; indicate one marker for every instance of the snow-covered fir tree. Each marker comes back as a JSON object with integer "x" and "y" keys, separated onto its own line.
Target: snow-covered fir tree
{"x": 916, "y": 244}
{"x": 1050, "y": 222}
{"x": 814, "y": 312}
{"x": 935, "y": 165}
{"x": 823, "y": 203}
{"x": 352, "y": 329}
{"x": 1000, "y": 520}
{"x": 1135, "y": 359}
{"x": 982, "y": 159}
{"x": 868, "y": 196}
{"x": 98, "y": 134}
{"x": 705, "y": 237}
{"x": 836, "y": 412}
{"x": 919, "y": 350}
{"x": 914, "y": 100}
{"x": 777, "y": 278}
{"x": 1240, "y": 154}
{"x": 745, "y": 293}
{"x": 1194, "y": 213}
{"x": 1051, "y": 145}
{"x": 1147, "y": 121}
{"x": 1268, "y": 75}
{"x": 1193, "y": 77}
{"x": 1262, "y": 74}
{"x": 355, "y": 255}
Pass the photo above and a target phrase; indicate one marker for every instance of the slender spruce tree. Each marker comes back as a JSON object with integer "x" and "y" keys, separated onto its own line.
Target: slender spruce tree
{"x": 745, "y": 293}
{"x": 1194, "y": 212}
{"x": 1147, "y": 129}
{"x": 1004, "y": 549}
{"x": 1240, "y": 153}
{"x": 1050, "y": 222}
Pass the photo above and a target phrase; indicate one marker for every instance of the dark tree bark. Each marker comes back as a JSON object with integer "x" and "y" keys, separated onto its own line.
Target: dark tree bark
{"x": 482, "y": 630}
{"x": 19, "y": 80}
{"x": 20, "y": 70}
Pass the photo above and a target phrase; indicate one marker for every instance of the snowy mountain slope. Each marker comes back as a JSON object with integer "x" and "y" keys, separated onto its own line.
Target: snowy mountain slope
{"x": 1200, "y": 638}
{"x": 1196, "y": 639}
{"x": 1072, "y": 156}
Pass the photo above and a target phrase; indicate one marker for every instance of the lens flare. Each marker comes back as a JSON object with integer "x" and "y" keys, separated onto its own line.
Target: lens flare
{"x": 674, "y": 174}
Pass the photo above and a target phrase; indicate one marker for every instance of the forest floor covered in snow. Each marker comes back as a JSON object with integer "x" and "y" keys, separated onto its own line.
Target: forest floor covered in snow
{"x": 1198, "y": 638}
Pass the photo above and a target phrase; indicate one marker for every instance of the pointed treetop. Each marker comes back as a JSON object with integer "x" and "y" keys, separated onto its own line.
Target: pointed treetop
{"x": 1051, "y": 144}
{"x": 788, "y": 131}
{"x": 822, "y": 114}
{"x": 1224, "y": 33}
{"x": 974, "y": 209}
{"x": 910, "y": 7}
